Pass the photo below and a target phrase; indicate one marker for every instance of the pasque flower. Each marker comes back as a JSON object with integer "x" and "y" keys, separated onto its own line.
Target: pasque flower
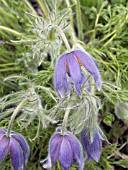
{"x": 64, "y": 148}
{"x": 69, "y": 64}
{"x": 16, "y": 146}
{"x": 92, "y": 149}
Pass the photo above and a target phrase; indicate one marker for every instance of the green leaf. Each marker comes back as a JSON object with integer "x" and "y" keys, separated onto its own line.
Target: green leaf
{"x": 109, "y": 119}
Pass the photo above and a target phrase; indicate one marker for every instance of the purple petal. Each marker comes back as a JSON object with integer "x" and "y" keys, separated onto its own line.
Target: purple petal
{"x": 4, "y": 145}
{"x": 75, "y": 72}
{"x": 55, "y": 144}
{"x": 77, "y": 150}
{"x": 53, "y": 153}
{"x": 65, "y": 154}
{"x": 90, "y": 64}
{"x": 24, "y": 145}
{"x": 61, "y": 84}
{"x": 16, "y": 154}
{"x": 93, "y": 150}
{"x": 2, "y": 131}
{"x": 96, "y": 147}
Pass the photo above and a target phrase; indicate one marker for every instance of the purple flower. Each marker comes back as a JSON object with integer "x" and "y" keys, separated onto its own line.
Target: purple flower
{"x": 93, "y": 150}
{"x": 64, "y": 148}
{"x": 16, "y": 146}
{"x": 70, "y": 64}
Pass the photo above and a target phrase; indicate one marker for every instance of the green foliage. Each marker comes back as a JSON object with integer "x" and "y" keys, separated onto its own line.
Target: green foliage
{"x": 121, "y": 111}
{"x": 123, "y": 163}
{"x": 30, "y": 45}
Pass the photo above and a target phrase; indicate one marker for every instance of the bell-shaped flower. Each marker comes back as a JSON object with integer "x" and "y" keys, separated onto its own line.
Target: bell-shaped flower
{"x": 16, "y": 146}
{"x": 92, "y": 149}
{"x": 69, "y": 65}
{"x": 66, "y": 149}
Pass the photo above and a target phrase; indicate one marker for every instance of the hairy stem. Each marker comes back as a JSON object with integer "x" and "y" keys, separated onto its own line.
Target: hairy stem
{"x": 14, "y": 115}
{"x": 92, "y": 91}
{"x": 65, "y": 120}
{"x": 61, "y": 32}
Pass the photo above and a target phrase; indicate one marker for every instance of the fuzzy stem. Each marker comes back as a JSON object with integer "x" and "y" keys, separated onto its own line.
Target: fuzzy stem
{"x": 92, "y": 91}
{"x": 65, "y": 120}
{"x": 14, "y": 115}
{"x": 73, "y": 36}
{"x": 61, "y": 32}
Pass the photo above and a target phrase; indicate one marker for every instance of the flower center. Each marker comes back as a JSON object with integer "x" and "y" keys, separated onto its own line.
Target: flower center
{"x": 80, "y": 63}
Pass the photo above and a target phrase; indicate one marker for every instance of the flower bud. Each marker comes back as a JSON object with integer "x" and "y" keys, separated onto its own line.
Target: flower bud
{"x": 17, "y": 146}
{"x": 64, "y": 148}
{"x": 70, "y": 64}
{"x": 92, "y": 149}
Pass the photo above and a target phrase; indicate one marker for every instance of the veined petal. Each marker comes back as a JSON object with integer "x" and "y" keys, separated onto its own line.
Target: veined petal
{"x": 90, "y": 64}
{"x": 75, "y": 72}
{"x": 77, "y": 150}
{"x": 65, "y": 154}
{"x": 96, "y": 148}
{"x": 16, "y": 154}
{"x": 61, "y": 84}
{"x": 24, "y": 145}
{"x": 55, "y": 144}
{"x": 85, "y": 144}
{"x": 4, "y": 145}
{"x": 93, "y": 150}
{"x": 53, "y": 153}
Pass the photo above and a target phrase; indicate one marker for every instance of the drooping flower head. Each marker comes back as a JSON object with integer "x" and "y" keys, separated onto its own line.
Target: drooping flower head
{"x": 64, "y": 148}
{"x": 16, "y": 146}
{"x": 69, "y": 64}
{"x": 92, "y": 149}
